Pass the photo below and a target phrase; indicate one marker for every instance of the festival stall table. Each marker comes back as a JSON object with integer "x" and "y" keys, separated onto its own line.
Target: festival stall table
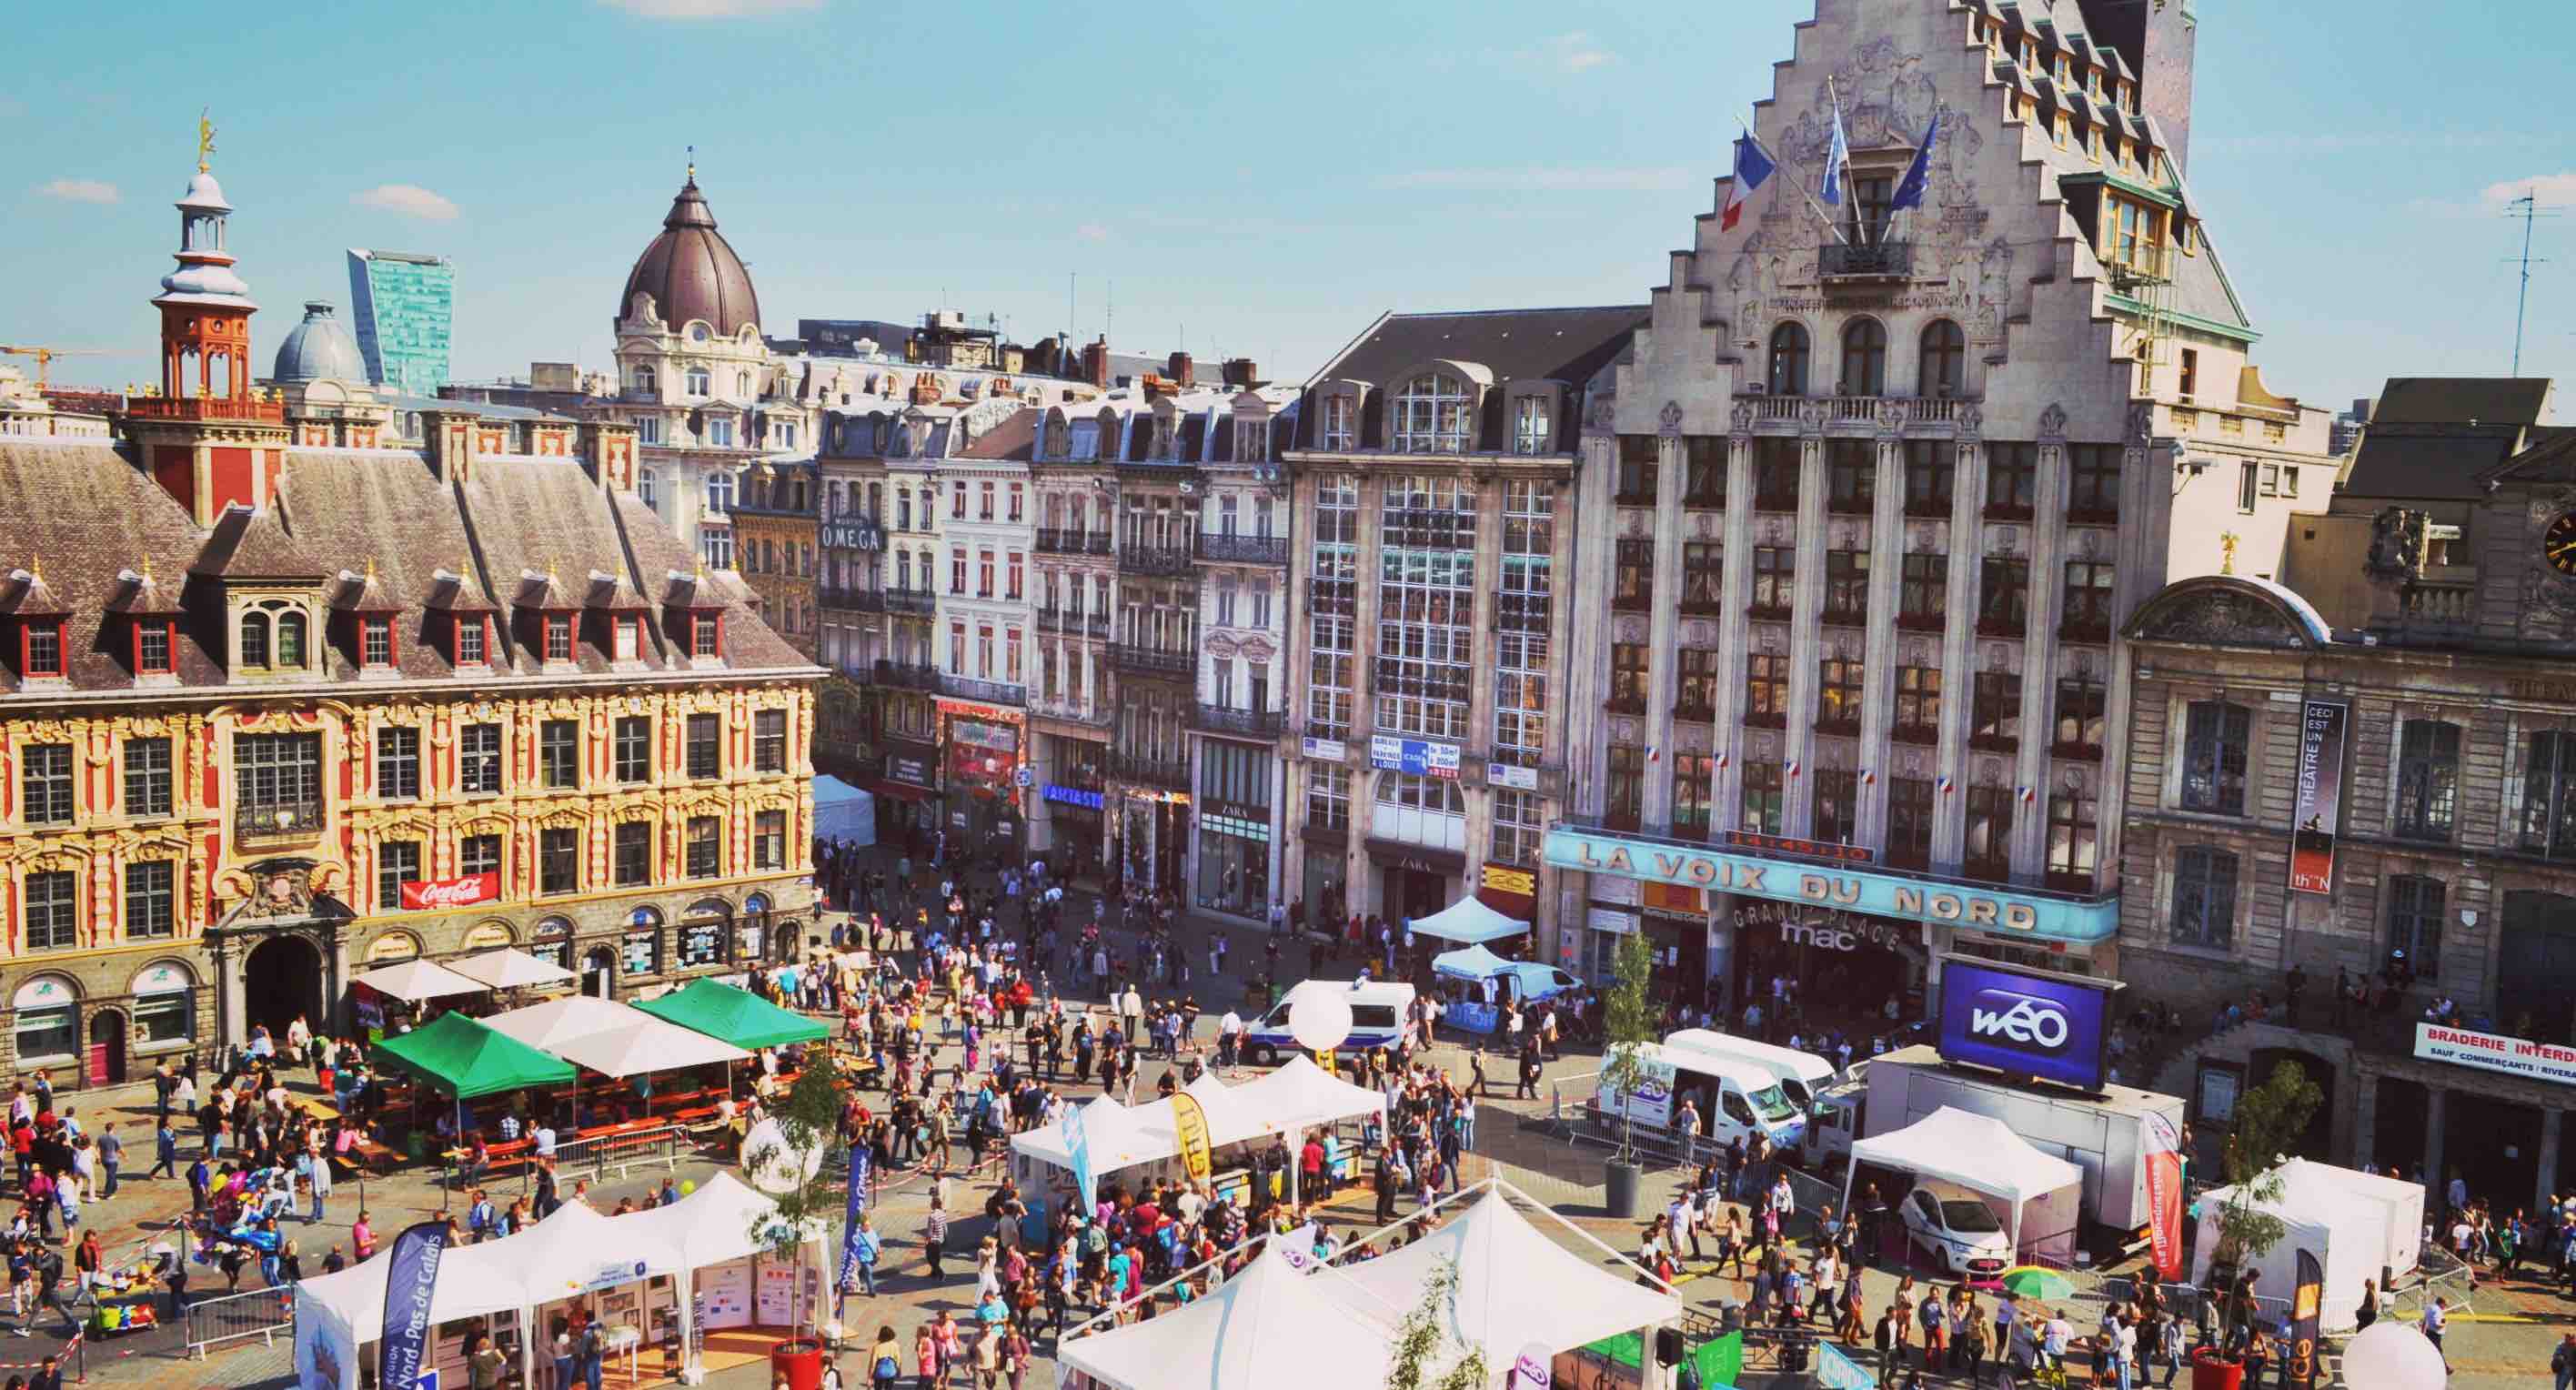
{"x": 1467, "y": 922}
{"x": 465, "y": 1058}
{"x": 734, "y": 1015}
{"x": 1271, "y": 1327}
{"x": 1516, "y": 1286}
{"x": 2039, "y": 1194}
{"x": 507, "y": 968}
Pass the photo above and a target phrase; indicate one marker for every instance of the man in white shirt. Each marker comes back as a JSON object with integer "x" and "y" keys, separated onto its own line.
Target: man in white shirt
{"x": 1229, "y": 1037}
{"x": 1683, "y": 1215}
{"x": 1131, "y": 1011}
{"x": 545, "y": 1140}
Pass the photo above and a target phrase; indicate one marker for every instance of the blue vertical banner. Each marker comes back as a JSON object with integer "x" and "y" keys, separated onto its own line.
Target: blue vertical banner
{"x": 411, "y": 1277}
{"x": 850, "y": 1216}
{"x": 1077, "y": 1146}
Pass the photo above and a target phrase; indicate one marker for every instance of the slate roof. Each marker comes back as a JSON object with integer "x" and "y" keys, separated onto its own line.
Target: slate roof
{"x": 1015, "y": 438}
{"x": 2444, "y": 465}
{"x": 2457, "y": 400}
{"x": 336, "y": 513}
{"x": 1566, "y": 345}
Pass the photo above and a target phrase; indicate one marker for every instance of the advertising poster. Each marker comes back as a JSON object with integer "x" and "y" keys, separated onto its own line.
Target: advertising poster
{"x": 1189, "y": 1124}
{"x": 2164, "y": 1196}
{"x": 2026, "y": 1025}
{"x": 1650, "y": 1101}
{"x": 774, "y": 1293}
{"x": 2319, "y": 809}
{"x": 411, "y": 1275}
{"x": 724, "y": 1293}
{"x": 2299, "y": 1368}
{"x": 2464, "y": 1047}
{"x": 325, "y": 1358}
{"x": 420, "y": 894}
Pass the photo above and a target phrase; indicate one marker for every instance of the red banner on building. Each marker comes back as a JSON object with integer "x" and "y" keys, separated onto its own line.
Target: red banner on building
{"x": 450, "y": 892}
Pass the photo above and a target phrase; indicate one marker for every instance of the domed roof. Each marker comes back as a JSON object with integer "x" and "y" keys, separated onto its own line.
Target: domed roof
{"x": 319, "y": 349}
{"x": 691, "y": 272}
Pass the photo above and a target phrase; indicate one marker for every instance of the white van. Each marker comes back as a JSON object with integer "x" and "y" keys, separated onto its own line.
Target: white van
{"x": 1735, "y": 1101}
{"x": 1377, "y": 1018}
{"x": 1801, "y": 1074}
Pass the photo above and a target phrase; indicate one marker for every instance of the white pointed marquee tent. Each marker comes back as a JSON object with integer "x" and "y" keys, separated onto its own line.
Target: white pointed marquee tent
{"x": 1468, "y": 921}
{"x": 2346, "y": 1231}
{"x": 1516, "y": 1285}
{"x": 1270, "y": 1327}
{"x": 508, "y": 968}
{"x": 414, "y": 980}
{"x": 2038, "y": 1193}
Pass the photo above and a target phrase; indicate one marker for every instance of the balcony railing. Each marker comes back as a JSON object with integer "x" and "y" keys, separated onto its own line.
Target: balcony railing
{"x": 276, "y": 820}
{"x": 855, "y": 600}
{"x": 1919, "y": 410}
{"x": 1156, "y": 559}
{"x": 1172, "y": 774}
{"x": 1071, "y": 712}
{"x": 1054, "y": 540}
{"x": 989, "y": 692}
{"x": 917, "y": 602}
{"x": 905, "y": 676}
{"x": 1244, "y": 550}
{"x": 205, "y": 408}
{"x": 1885, "y": 260}
{"x": 1226, "y": 719}
{"x": 1152, "y": 661}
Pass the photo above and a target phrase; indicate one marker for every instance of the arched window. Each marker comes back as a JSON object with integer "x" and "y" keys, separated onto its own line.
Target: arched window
{"x": 1864, "y": 358}
{"x": 1431, "y": 415}
{"x": 1056, "y": 438}
{"x": 742, "y": 385}
{"x": 290, "y": 641}
{"x": 1789, "y": 360}
{"x": 1945, "y": 360}
{"x": 254, "y": 639}
{"x": 697, "y": 381}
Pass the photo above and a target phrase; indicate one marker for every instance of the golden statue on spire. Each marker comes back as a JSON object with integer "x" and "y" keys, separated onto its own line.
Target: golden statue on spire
{"x": 205, "y": 137}
{"x": 693, "y": 164}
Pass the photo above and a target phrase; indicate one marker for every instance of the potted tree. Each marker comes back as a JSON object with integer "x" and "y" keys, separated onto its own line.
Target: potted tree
{"x": 1627, "y": 1025}
{"x": 2268, "y": 1121}
{"x": 789, "y": 1164}
{"x": 1423, "y": 1341}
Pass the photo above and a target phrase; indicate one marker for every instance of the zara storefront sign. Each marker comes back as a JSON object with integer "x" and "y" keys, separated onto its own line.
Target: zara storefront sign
{"x": 2462, "y": 1047}
{"x": 2041, "y": 1026}
{"x": 1877, "y": 894}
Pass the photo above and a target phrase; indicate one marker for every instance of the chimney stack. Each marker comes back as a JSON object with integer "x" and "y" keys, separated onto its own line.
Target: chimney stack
{"x": 1095, "y": 362}
{"x": 1241, "y": 373}
{"x": 1178, "y": 368}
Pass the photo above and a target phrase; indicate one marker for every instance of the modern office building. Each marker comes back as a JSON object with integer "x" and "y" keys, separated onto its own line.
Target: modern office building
{"x": 403, "y": 306}
{"x": 1876, "y": 493}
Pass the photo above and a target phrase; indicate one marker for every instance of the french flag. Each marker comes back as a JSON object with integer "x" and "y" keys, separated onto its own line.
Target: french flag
{"x": 1868, "y": 777}
{"x": 1948, "y": 786}
{"x": 1752, "y": 166}
{"x": 1654, "y": 753}
{"x": 2028, "y": 795}
{"x": 1793, "y": 769}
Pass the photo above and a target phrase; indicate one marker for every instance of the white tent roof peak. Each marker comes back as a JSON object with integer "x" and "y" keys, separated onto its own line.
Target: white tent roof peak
{"x": 414, "y": 980}
{"x": 1974, "y": 1151}
{"x": 1468, "y": 921}
{"x": 610, "y": 1038}
{"x": 510, "y": 968}
{"x": 1270, "y": 1327}
{"x": 1477, "y": 962}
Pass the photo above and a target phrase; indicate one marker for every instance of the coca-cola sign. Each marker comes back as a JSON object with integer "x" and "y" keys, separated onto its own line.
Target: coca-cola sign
{"x": 451, "y": 892}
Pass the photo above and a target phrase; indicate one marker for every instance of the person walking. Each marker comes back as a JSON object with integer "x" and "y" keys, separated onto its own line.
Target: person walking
{"x": 2562, "y": 1360}
{"x": 870, "y": 1248}
{"x": 2437, "y": 1317}
{"x": 934, "y": 1234}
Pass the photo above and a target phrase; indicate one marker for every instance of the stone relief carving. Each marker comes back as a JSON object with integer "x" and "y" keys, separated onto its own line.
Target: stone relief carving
{"x": 2397, "y": 538}
{"x": 2221, "y": 617}
{"x": 2007, "y": 539}
{"x": 1670, "y": 421}
{"x": 1770, "y": 640}
{"x": 1741, "y": 418}
{"x": 1997, "y": 656}
{"x": 2142, "y": 421}
{"x": 1623, "y": 730}
{"x": 1706, "y": 525}
{"x": 1632, "y": 629}
{"x": 1924, "y": 539}
{"x": 1990, "y": 772}
{"x": 1914, "y": 762}
{"x": 2052, "y": 424}
{"x": 1891, "y": 416}
{"x": 1811, "y": 417}
{"x": 1700, "y": 634}
{"x": 1634, "y": 525}
{"x": 2087, "y": 544}
{"x": 1766, "y": 747}
{"x": 1918, "y": 653}
{"x": 1972, "y": 421}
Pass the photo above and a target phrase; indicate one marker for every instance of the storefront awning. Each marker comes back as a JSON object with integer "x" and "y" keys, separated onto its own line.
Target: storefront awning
{"x": 900, "y": 791}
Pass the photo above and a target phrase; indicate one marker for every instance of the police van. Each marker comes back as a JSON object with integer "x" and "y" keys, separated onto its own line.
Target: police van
{"x": 1735, "y": 1099}
{"x": 1377, "y": 1019}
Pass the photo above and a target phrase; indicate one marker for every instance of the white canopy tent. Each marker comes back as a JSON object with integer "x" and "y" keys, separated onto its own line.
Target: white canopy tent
{"x": 2345, "y": 1230}
{"x": 1470, "y": 963}
{"x": 1469, "y": 921}
{"x": 2401, "y": 1203}
{"x": 1116, "y": 1136}
{"x": 1516, "y": 1285}
{"x": 2039, "y": 1193}
{"x": 610, "y": 1038}
{"x": 1270, "y": 1327}
{"x": 509, "y": 968}
{"x": 414, "y": 980}
{"x": 844, "y": 812}
{"x": 1299, "y": 1094}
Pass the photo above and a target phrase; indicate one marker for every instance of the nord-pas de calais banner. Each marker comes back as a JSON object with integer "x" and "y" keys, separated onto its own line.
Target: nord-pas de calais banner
{"x": 411, "y": 1275}
{"x": 2493, "y": 1052}
{"x": 2322, "y": 725}
{"x": 850, "y": 1217}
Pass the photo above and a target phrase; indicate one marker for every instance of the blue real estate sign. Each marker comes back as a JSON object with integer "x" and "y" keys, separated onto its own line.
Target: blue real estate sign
{"x": 1420, "y": 757}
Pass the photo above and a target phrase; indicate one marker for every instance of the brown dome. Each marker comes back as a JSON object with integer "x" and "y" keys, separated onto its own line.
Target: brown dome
{"x": 691, "y": 272}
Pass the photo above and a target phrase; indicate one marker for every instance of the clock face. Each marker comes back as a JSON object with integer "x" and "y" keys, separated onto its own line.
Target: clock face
{"x": 2558, "y": 544}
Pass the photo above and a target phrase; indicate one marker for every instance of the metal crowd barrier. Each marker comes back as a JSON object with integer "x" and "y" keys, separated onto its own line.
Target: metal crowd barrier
{"x": 261, "y": 1313}
{"x": 661, "y": 1145}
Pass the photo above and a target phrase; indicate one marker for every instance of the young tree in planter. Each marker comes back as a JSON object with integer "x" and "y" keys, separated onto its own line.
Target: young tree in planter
{"x": 1423, "y": 1337}
{"x": 2269, "y": 1119}
{"x": 1628, "y": 1022}
{"x": 809, "y": 1123}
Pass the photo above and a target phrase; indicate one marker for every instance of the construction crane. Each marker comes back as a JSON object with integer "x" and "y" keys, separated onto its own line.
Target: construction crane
{"x": 45, "y": 358}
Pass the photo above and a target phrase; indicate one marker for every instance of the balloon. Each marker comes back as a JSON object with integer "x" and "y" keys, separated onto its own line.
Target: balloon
{"x": 687, "y": 1186}
{"x": 785, "y": 1169}
{"x": 1319, "y": 1020}
{"x": 2392, "y": 1355}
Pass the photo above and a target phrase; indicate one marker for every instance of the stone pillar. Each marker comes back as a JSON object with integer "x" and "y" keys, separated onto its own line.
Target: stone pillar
{"x": 1886, "y": 549}
{"x": 1663, "y": 621}
{"x": 228, "y": 991}
{"x": 1959, "y": 652}
{"x": 1735, "y": 560}
{"x": 2546, "y": 1179}
{"x": 2365, "y": 1118}
{"x": 2435, "y": 1113}
{"x": 1806, "y": 638}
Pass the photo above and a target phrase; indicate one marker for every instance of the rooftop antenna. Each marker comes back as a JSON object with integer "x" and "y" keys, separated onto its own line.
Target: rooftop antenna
{"x": 2525, "y": 207}
{"x": 1109, "y": 326}
{"x": 1072, "y": 287}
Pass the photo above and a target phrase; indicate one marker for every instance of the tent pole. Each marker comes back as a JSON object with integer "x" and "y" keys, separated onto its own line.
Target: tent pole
{"x": 693, "y": 1371}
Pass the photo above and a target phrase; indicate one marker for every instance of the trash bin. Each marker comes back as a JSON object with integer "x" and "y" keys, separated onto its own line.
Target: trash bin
{"x": 800, "y": 1361}
{"x": 2212, "y": 1369}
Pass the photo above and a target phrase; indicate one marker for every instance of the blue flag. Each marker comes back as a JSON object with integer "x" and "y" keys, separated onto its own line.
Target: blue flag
{"x": 1837, "y": 159}
{"x": 1077, "y": 1146}
{"x": 411, "y": 1276}
{"x": 850, "y": 1216}
{"x": 1909, "y": 190}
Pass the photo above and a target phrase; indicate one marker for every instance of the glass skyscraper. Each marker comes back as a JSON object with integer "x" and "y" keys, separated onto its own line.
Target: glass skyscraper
{"x": 403, "y": 305}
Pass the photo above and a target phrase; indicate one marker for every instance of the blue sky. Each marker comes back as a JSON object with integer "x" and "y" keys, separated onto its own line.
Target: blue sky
{"x": 1251, "y": 182}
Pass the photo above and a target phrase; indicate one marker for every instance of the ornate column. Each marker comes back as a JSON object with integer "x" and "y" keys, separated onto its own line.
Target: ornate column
{"x": 1960, "y": 542}
{"x": 1879, "y": 651}
{"x": 1734, "y": 626}
{"x": 1806, "y": 642}
{"x": 1663, "y": 620}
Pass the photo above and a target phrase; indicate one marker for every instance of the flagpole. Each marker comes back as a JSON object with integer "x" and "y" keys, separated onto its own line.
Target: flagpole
{"x": 1850, "y": 197}
{"x": 1803, "y": 191}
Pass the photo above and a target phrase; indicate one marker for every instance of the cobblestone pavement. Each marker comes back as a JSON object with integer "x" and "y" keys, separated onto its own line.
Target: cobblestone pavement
{"x": 2506, "y": 1339}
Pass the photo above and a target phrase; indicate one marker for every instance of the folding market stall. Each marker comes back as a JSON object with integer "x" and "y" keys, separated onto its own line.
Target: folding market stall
{"x": 734, "y": 1015}
{"x": 2037, "y": 1194}
{"x": 508, "y": 968}
{"x": 1271, "y": 1327}
{"x": 1468, "y": 921}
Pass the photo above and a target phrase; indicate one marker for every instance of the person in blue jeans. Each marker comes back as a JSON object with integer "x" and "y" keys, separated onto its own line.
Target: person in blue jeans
{"x": 594, "y": 1353}
{"x": 869, "y": 1249}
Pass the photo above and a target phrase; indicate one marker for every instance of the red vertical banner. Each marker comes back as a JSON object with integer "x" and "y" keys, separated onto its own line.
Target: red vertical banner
{"x": 2164, "y": 1196}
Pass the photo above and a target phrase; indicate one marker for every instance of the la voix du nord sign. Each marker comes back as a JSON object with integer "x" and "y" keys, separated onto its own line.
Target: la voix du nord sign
{"x": 1884, "y": 895}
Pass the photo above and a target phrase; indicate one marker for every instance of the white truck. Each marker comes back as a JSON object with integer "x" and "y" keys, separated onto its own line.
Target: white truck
{"x": 2107, "y": 1135}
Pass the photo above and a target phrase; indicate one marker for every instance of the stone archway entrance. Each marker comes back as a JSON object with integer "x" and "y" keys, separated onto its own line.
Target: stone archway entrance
{"x": 281, "y": 982}
{"x": 107, "y": 1048}
{"x": 599, "y": 972}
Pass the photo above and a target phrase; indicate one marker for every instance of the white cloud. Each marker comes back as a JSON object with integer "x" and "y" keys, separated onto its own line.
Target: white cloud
{"x": 80, "y": 190}
{"x": 1092, "y": 231}
{"x": 710, "y": 9}
{"x": 408, "y": 199}
{"x": 2552, "y": 190}
{"x": 1576, "y": 52}
{"x": 1550, "y": 179}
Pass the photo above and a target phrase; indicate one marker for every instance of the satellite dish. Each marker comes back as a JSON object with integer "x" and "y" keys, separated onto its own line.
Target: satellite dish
{"x": 771, "y": 1165}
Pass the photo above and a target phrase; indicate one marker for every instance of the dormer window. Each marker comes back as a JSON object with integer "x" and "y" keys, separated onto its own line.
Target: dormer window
{"x": 254, "y": 639}
{"x": 152, "y": 647}
{"x": 706, "y": 634}
{"x": 375, "y": 642}
{"x": 273, "y": 637}
{"x": 628, "y": 638}
{"x": 290, "y": 641}
{"x": 1431, "y": 415}
{"x": 1252, "y": 441}
{"x": 470, "y": 638}
{"x": 642, "y": 381}
{"x": 1533, "y": 425}
{"x": 1338, "y": 418}
{"x": 558, "y": 636}
{"x": 41, "y": 649}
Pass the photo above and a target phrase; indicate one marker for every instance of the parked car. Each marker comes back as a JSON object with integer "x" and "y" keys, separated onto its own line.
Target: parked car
{"x": 1957, "y": 1229}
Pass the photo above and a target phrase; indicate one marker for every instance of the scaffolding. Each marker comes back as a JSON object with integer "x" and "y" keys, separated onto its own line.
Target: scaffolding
{"x": 2144, "y": 279}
